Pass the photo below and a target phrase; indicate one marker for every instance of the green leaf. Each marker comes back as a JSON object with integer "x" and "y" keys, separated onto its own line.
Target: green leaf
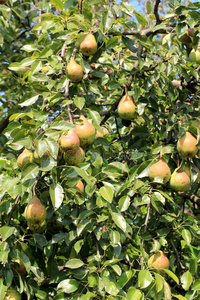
{"x": 68, "y": 285}
{"x": 74, "y": 263}
{"x": 186, "y": 235}
{"x": 186, "y": 280}
{"x": 124, "y": 278}
{"x": 111, "y": 288}
{"x": 56, "y": 194}
{"x": 134, "y": 294}
{"x": 119, "y": 220}
{"x": 79, "y": 102}
{"x": 172, "y": 275}
{"x": 129, "y": 43}
{"x": 30, "y": 101}
{"x": 124, "y": 203}
{"x": 107, "y": 193}
{"x": 159, "y": 282}
{"x": 3, "y": 289}
{"x": 167, "y": 291}
{"x": 58, "y": 4}
{"x": 144, "y": 279}
{"x": 196, "y": 285}
{"x": 29, "y": 48}
{"x": 6, "y": 232}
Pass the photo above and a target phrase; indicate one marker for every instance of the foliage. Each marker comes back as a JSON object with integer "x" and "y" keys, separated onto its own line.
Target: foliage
{"x": 97, "y": 245}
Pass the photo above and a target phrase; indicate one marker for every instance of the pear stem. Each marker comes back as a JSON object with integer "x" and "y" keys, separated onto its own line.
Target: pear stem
{"x": 34, "y": 193}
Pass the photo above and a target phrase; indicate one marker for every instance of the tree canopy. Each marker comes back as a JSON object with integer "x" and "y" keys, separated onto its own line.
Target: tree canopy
{"x": 99, "y": 239}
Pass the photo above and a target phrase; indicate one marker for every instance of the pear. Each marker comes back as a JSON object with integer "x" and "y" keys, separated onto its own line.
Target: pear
{"x": 20, "y": 269}
{"x": 85, "y": 131}
{"x": 159, "y": 172}
{"x": 179, "y": 181}
{"x": 126, "y": 108}
{"x": 12, "y": 294}
{"x": 187, "y": 145}
{"x": 35, "y": 211}
{"x": 186, "y": 38}
{"x": 24, "y": 158}
{"x": 37, "y": 226}
{"x": 79, "y": 187}
{"x": 74, "y": 71}
{"x": 158, "y": 261}
{"x": 99, "y": 134}
{"x": 75, "y": 158}
{"x": 69, "y": 142}
{"x": 195, "y": 55}
{"x": 89, "y": 45}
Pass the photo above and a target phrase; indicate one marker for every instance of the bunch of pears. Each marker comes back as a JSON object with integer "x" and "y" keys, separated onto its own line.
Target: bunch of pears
{"x": 179, "y": 180}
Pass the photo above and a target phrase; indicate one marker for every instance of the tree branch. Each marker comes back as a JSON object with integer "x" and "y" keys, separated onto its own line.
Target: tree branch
{"x": 158, "y": 20}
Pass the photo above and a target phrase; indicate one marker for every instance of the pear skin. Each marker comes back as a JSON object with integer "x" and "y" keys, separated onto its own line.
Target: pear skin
{"x": 74, "y": 71}
{"x": 20, "y": 269}
{"x": 126, "y": 108}
{"x": 37, "y": 227}
{"x": 69, "y": 142}
{"x": 179, "y": 181}
{"x": 12, "y": 294}
{"x": 79, "y": 187}
{"x": 158, "y": 261}
{"x": 99, "y": 134}
{"x": 187, "y": 145}
{"x": 35, "y": 211}
{"x": 160, "y": 171}
{"x": 85, "y": 131}
{"x": 75, "y": 158}
{"x": 89, "y": 45}
{"x": 24, "y": 158}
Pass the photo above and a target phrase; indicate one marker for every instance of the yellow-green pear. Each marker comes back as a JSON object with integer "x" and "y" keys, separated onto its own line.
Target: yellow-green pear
{"x": 126, "y": 108}
{"x": 69, "y": 142}
{"x": 186, "y": 38}
{"x": 74, "y": 71}
{"x": 85, "y": 131}
{"x": 35, "y": 211}
{"x": 159, "y": 172}
{"x": 89, "y": 45}
{"x": 195, "y": 55}
{"x": 19, "y": 267}
{"x": 24, "y": 158}
{"x": 187, "y": 145}
{"x": 179, "y": 181}
{"x": 158, "y": 261}
{"x": 12, "y": 294}
{"x": 75, "y": 158}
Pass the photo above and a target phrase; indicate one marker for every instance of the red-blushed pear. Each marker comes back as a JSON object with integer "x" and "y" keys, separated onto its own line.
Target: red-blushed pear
{"x": 35, "y": 211}
{"x": 85, "y": 131}
{"x": 12, "y": 294}
{"x": 187, "y": 145}
{"x": 69, "y": 142}
{"x": 74, "y": 71}
{"x": 99, "y": 134}
{"x": 159, "y": 172}
{"x": 158, "y": 261}
{"x": 89, "y": 45}
{"x": 79, "y": 187}
{"x": 126, "y": 108}
{"x": 179, "y": 181}
{"x": 75, "y": 158}
{"x": 19, "y": 267}
{"x": 3, "y": 1}
{"x": 195, "y": 55}
{"x": 24, "y": 158}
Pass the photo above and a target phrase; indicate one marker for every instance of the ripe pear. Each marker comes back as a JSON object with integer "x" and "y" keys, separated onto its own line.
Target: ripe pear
{"x": 187, "y": 145}
{"x": 126, "y": 108}
{"x": 35, "y": 211}
{"x": 74, "y": 71}
{"x": 20, "y": 269}
{"x": 159, "y": 172}
{"x": 179, "y": 181}
{"x": 79, "y": 187}
{"x": 85, "y": 131}
{"x": 158, "y": 261}
{"x": 195, "y": 55}
{"x": 75, "y": 158}
{"x": 99, "y": 134}
{"x": 12, "y": 294}
{"x": 89, "y": 45}
{"x": 24, "y": 158}
{"x": 37, "y": 226}
{"x": 69, "y": 142}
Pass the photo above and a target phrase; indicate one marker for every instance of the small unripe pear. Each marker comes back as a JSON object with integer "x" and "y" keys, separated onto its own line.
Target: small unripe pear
{"x": 12, "y": 294}
{"x": 179, "y": 181}
{"x": 24, "y": 158}
{"x": 126, "y": 108}
{"x": 69, "y": 141}
{"x": 35, "y": 211}
{"x": 19, "y": 269}
{"x": 75, "y": 158}
{"x": 158, "y": 261}
{"x": 195, "y": 55}
{"x": 160, "y": 172}
{"x": 89, "y": 45}
{"x": 85, "y": 131}
{"x": 79, "y": 187}
{"x": 187, "y": 145}
{"x": 74, "y": 71}
{"x": 99, "y": 134}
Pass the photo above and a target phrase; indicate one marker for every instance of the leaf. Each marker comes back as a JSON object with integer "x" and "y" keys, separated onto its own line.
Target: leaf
{"x": 29, "y": 48}
{"x": 6, "y": 232}
{"x": 30, "y": 101}
{"x": 68, "y": 285}
{"x": 79, "y": 102}
{"x": 124, "y": 278}
{"x": 58, "y": 4}
{"x": 144, "y": 279}
{"x": 134, "y": 294}
{"x": 159, "y": 282}
{"x": 111, "y": 288}
{"x": 196, "y": 285}
{"x": 167, "y": 291}
{"x": 124, "y": 203}
{"x": 129, "y": 43}
{"x": 186, "y": 280}
{"x": 172, "y": 275}
{"x": 186, "y": 235}
{"x": 119, "y": 220}
{"x": 3, "y": 289}
{"x": 107, "y": 193}
{"x": 56, "y": 194}
{"x": 74, "y": 263}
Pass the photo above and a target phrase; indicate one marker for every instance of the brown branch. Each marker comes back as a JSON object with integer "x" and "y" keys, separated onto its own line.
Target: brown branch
{"x": 177, "y": 255}
{"x": 13, "y": 208}
{"x": 158, "y": 20}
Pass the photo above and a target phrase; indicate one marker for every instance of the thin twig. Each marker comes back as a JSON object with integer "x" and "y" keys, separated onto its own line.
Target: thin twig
{"x": 146, "y": 220}
{"x": 177, "y": 255}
